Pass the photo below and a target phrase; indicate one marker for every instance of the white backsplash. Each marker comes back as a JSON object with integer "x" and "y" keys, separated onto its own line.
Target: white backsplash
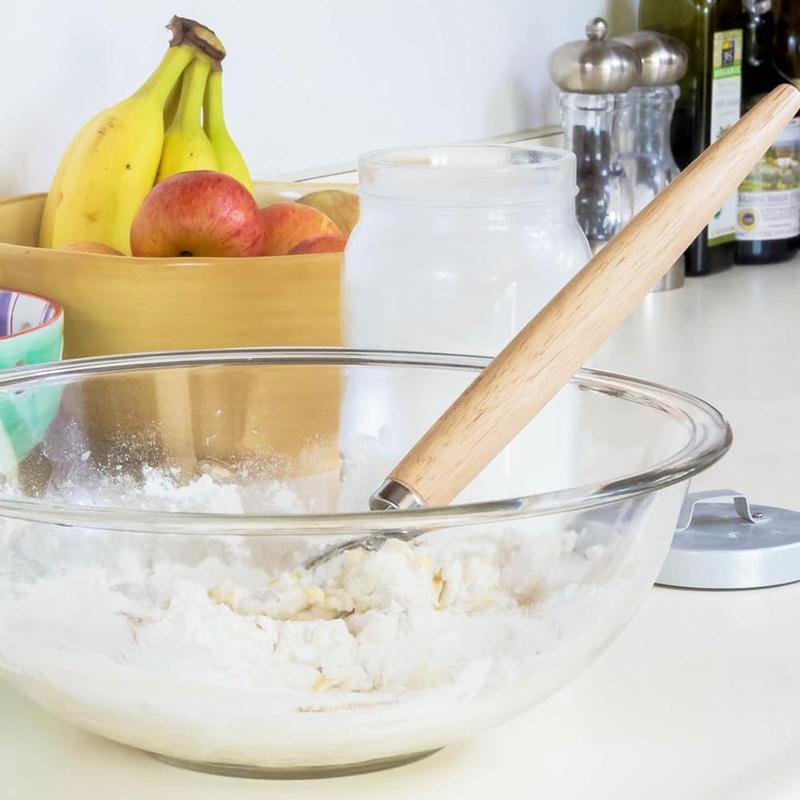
{"x": 308, "y": 82}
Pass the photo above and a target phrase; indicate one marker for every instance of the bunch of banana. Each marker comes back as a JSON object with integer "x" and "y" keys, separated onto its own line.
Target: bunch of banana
{"x": 190, "y": 144}
{"x": 117, "y": 157}
{"x": 186, "y": 145}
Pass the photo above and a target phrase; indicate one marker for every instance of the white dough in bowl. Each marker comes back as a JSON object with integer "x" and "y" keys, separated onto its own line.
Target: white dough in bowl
{"x": 225, "y": 650}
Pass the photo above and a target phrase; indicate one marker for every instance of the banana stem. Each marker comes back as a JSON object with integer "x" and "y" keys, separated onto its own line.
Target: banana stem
{"x": 192, "y": 92}
{"x": 166, "y": 75}
{"x": 190, "y": 31}
{"x": 213, "y": 116}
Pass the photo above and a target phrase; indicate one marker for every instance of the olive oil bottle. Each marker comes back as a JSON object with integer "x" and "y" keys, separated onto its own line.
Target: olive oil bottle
{"x": 709, "y": 103}
{"x": 786, "y": 47}
{"x": 769, "y": 198}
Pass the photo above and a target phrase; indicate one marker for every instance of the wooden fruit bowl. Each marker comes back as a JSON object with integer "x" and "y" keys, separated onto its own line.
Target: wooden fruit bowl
{"x": 117, "y": 304}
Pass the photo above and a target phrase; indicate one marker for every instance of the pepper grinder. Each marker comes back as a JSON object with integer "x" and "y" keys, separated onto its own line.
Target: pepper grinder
{"x": 647, "y": 151}
{"x": 594, "y": 76}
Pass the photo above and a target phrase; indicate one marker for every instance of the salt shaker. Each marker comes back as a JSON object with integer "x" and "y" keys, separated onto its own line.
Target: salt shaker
{"x": 594, "y": 76}
{"x": 647, "y": 151}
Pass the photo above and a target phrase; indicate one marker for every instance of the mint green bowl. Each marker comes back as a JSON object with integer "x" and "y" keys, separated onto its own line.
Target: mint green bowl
{"x": 31, "y": 332}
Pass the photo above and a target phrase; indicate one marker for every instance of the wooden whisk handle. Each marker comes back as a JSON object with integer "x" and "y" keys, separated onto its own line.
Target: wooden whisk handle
{"x": 570, "y": 328}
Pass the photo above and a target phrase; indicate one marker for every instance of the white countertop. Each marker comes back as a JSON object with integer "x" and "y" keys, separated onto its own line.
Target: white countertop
{"x": 698, "y": 699}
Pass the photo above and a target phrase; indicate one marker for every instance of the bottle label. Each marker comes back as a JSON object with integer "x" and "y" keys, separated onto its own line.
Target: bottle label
{"x": 769, "y": 197}
{"x": 726, "y": 99}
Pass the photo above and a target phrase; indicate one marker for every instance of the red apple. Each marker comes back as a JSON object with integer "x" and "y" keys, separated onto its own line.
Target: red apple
{"x": 201, "y": 213}
{"x": 287, "y": 223}
{"x": 323, "y": 243}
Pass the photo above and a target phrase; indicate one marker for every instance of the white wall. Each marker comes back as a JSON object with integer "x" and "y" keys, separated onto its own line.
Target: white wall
{"x": 308, "y": 82}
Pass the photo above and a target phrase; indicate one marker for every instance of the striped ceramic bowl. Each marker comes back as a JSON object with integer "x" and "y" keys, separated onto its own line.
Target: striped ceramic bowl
{"x": 31, "y": 332}
{"x": 31, "y": 329}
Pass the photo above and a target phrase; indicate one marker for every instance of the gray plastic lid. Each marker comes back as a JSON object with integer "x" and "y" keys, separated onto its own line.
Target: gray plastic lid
{"x": 732, "y": 546}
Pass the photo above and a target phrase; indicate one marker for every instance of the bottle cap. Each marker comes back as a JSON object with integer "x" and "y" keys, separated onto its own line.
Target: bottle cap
{"x": 595, "y": 65}
{"x": 664, "y": 58}
{"x": 757, "y": 7}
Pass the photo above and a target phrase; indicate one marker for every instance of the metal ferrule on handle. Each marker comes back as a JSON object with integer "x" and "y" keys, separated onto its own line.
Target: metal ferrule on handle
{"x": 394, "y": 496}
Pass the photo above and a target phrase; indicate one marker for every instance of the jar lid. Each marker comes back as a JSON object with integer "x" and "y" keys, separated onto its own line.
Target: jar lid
{"x": 467, "y": 175}
{"x": 595, "y": 65}
{"x": 739, "y": 546}
{"x": 664, "y": 58}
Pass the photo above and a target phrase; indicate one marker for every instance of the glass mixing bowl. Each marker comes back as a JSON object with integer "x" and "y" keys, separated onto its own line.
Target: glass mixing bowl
{"x": 152, "y": 550}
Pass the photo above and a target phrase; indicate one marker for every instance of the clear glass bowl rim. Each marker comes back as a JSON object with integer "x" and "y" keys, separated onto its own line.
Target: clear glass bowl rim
{"x": 709, "y": 439}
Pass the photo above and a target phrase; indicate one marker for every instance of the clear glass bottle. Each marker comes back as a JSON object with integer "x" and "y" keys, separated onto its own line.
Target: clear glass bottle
{"x": 650, "y": 161}
{"x": 647, "y": 147}
{"x": 592, "y": 131}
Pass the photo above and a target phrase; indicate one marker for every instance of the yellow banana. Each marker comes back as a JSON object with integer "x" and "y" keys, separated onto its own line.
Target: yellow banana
{"x": 171, "y": 106}
{"x": 56, "y": 192}
{"x": 186, "y": 146}
{"x": 228, "y": 155}
{"x": 111, "y": 165}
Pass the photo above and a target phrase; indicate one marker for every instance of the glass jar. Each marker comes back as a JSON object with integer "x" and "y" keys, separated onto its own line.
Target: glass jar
{"x": 592, "y": 129}
{"x": 458, "y": 247}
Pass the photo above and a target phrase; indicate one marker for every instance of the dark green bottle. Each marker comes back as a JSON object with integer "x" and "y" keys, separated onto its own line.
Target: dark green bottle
{"x": 769, "y": 198}
{"x": 787, "y": 41}
{"x": 709, "y": 103}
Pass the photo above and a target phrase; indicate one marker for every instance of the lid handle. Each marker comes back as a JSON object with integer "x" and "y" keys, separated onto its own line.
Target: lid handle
{"x": 596, "y": 29}
{"x": 740, "y": 503}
